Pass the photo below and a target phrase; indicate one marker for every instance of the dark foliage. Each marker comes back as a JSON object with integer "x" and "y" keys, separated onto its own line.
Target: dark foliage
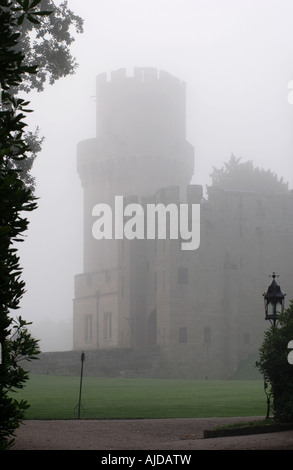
{"x": 243, "y": 176}
{"x": 19, "y": 19}
{"x": 275, "y": 367}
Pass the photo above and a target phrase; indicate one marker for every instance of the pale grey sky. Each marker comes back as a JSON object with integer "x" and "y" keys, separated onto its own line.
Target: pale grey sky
{"x": 236, "y": 57}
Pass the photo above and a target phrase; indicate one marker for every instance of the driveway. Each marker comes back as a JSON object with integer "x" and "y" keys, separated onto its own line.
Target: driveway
{"x": 143, "y": 434}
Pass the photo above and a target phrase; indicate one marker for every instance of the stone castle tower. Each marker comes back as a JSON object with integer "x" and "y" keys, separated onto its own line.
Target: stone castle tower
{"x": 201, "y": 310}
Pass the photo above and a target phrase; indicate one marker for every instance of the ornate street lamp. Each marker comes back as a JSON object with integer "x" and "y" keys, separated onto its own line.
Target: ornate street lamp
{"x": 274, "y": 300}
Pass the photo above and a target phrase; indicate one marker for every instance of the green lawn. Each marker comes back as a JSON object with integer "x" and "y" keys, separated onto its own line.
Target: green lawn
{"x": 53, "y": 397}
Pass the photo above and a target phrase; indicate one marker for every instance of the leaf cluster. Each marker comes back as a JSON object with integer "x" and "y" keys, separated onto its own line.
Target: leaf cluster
{"x": 47, "y": 43}
{"x": 42, "y": 34}
{"x": 26, "y": 10}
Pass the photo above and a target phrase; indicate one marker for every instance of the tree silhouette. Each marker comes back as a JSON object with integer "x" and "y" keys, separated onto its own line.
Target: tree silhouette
{"x": 16, "y": 199}
{"x": 237, "y": 175}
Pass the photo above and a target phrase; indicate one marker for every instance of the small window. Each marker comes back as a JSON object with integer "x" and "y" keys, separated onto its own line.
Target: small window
{"x": 247, "y": 338}
{"x": 88, "y": 327}
{"x": 182, "y": 274}
{"x": 207, "y": 337}
{"x": 183, "y": 335}
{"x": 107, "y": 325}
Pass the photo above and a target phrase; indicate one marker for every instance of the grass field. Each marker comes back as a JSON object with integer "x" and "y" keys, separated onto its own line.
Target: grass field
{"x": 53, "y": 397}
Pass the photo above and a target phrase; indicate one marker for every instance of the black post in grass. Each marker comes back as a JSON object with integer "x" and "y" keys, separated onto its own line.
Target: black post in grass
{"x": 80, "y": 387}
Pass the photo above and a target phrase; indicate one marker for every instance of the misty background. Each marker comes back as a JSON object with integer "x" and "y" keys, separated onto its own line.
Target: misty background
{"x": 236, "y": 58}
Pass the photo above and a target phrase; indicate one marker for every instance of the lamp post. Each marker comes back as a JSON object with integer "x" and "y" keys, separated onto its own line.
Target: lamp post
{"x": 274, "y": 301}
{"x": 80, "y": 387}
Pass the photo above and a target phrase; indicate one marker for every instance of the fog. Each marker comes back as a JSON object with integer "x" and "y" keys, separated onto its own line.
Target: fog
{"x": 236, "y": 58}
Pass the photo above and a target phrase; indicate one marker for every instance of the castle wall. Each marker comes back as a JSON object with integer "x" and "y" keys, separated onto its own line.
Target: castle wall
{"x": 202, "y": 309}
{"x": 215, "y": 316}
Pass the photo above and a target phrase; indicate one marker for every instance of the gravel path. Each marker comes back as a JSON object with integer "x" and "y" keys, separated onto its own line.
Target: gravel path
{"x": 143, "y": 434}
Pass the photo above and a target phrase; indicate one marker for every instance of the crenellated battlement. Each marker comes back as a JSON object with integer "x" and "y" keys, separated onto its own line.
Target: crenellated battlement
{"x": 141, "y": 113}
{"x": 142, "y": 75}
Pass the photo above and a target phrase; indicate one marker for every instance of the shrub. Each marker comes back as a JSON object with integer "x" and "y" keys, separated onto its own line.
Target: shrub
{"x": 275, "y": 367}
